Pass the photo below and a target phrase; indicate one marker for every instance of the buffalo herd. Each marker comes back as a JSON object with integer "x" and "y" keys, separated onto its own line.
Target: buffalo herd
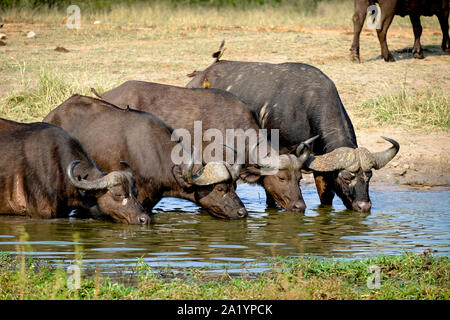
{"x": 112, "y": 156}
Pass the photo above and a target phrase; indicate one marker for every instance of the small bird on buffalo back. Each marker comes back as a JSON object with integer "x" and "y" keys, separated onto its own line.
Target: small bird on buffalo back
{"x": 206, "y": 83}
{"x": 218, "y": 54}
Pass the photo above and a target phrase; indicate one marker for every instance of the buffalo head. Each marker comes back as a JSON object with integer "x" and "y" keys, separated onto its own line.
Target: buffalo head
{"x": 213, "y": 187}
{"x": 352, "y": 170}
{"x": 116, "y": 195}
{"x": 283, "y": 184}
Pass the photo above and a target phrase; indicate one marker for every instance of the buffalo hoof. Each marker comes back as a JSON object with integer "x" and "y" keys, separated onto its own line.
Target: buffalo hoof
{"x": 389, "y": 58}
{"x": 446, "y": 50}
{"x": 355, "y": 58}
{"x": 418, "y": 55}
{"x": 354, "y": 55}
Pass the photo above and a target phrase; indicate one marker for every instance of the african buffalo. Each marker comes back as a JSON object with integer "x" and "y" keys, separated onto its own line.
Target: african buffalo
{"x": 218, "y": 110}
{"x": 302, "y": 102}
{"x": 144, "y": 141}
{"x": 389, "y": 8}
{"x": 46, "y": 173}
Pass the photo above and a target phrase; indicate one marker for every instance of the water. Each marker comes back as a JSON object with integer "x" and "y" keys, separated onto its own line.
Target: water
{"x": 182, "y": 235}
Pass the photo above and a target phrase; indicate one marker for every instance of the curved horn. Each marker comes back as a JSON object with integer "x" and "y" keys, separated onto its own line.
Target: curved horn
{"x": 127, "y": 166}
{"x": 382, "y": 158}
{"x": 102, "y": 183}
{"x": 187, "y": 169}
{"x": 303, "y": 154}
{"x": 212, "y": 172}
{"x": 340, "y": 158}
{"x": 236, "y": 168}
{"x": 279, "y": 162}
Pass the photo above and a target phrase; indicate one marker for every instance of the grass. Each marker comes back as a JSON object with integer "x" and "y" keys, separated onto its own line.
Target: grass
{"x": 326, "y": 13}
{"x": 28, "y": 103}
{"x": 408, "y": 276}
{"x": 429, "y": 109}
{"x": 426, "y": 109}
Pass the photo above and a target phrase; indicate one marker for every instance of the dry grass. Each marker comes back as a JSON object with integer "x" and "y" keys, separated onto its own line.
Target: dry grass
{"x": 162, "y": 44}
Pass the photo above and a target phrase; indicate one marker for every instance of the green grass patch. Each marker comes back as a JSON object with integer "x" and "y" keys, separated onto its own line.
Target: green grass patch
{"x": 408, "y": 276}
{"x": 425, "y": 109}
{"x": 32, "y": 103}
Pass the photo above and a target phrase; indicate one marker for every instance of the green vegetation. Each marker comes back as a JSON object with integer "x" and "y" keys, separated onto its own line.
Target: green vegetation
{"x": 28, "y": 104}
{"x": 408, "y": 276}
{"x": 424, "y": 109}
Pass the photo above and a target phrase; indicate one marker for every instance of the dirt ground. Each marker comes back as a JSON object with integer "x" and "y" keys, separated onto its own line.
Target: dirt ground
{"x": 104, "y": 56}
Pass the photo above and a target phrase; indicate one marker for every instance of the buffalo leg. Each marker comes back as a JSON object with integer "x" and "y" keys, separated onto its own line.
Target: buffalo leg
{"x": 270, "y": 201}
{"x": 417, "y": 28}
{"x": 386, "y": 20}
{"x": 443, "y": 20}
{"x": 358, "y": 21}
{"x": 324, "y": 185}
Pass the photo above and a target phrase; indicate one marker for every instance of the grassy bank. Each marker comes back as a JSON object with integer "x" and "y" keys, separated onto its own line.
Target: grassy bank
{"x": 428, "y": 109}
{"x": 407, "y": 276}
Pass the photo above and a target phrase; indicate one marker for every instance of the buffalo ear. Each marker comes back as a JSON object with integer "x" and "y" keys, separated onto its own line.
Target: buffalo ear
{"x": 250, "y": 174}
{"x": 290, "y": 150}
{"x": 177, "y": 172}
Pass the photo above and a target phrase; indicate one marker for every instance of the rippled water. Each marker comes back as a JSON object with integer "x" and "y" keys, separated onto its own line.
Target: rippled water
{"x": 182, "y": 235}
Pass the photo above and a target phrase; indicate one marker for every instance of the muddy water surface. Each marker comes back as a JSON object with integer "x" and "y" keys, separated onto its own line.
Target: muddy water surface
{"x": 182, "y": 236}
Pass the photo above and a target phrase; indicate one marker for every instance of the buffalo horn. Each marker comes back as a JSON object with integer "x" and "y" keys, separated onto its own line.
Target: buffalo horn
{"x": 105, "y": 182}
{"x": 279, "y": 162}
{"x": 340, "y": 158}
{"x": 303, "y": 156}
{"x": 382, "y": 158}
{"x": 212, "y": 172}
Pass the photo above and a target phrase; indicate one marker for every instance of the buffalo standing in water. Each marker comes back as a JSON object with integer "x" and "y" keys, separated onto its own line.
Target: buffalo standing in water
{"x": 144, "y": 141}
{"x": 46, "y": 173}
{"x": 302, "y": 102}
{"x": 219, "y": 110}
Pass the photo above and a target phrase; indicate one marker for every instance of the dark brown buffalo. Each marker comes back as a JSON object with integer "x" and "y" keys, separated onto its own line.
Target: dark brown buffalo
{"x": 220, "y": 110}
{"x": 389, "y": 8}
{"x": 144, "y": 141}
{"x": 46, "y": 173}
{"x": 301, "y": 101}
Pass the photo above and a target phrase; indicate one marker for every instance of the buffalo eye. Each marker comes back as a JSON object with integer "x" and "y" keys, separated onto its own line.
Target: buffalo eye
{"x": 347, "y": 176}
{"x": 281, "y": 179}
{"x": 118, "y": 196}
{"x": 220, "y": 189}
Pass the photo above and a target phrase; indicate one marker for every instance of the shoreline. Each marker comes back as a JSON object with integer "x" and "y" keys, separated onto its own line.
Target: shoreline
{"x": 422, "y": 276}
